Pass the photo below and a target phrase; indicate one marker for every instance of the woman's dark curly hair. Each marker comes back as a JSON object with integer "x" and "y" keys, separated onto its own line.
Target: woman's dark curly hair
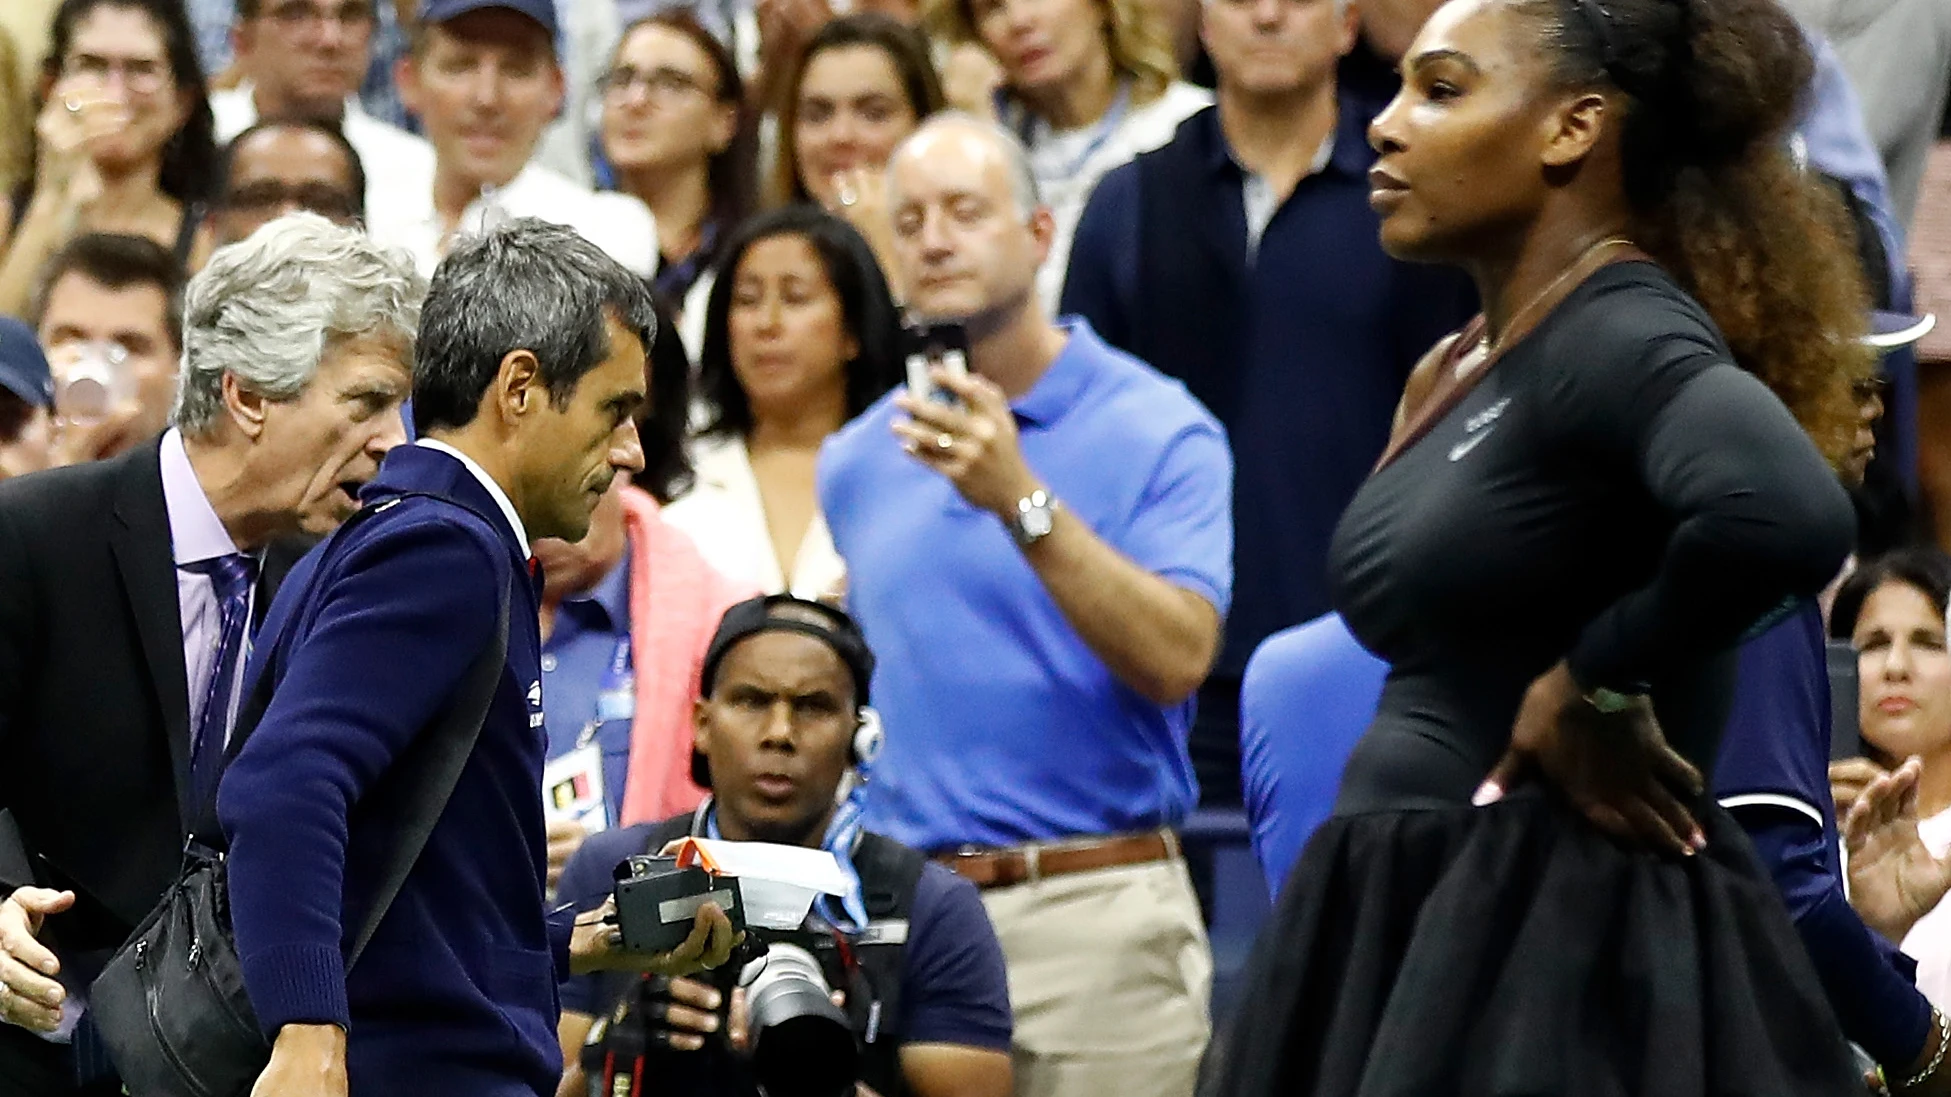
{"x": 1714, "y": 87}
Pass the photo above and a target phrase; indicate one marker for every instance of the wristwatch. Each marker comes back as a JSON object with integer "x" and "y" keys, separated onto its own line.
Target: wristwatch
{"x": 1611, "y": 701}
{"x": 1036, "y": 514}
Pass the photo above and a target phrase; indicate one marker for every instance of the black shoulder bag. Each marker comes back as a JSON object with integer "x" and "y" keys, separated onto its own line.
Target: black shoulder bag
{"x": 171, "y": 1004}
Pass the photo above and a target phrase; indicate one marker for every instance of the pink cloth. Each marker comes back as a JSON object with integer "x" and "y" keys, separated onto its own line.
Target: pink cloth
{"x": 676, "y": 601}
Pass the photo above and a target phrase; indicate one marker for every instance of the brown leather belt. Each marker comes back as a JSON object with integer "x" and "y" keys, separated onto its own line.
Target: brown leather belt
{"x": 1001, "y": 868}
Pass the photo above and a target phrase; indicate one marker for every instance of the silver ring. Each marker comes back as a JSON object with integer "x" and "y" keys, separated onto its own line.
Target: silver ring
{"x": 846, "y": 193}
{"x": 73, "y": 105}
{"x": 945, "y": 441}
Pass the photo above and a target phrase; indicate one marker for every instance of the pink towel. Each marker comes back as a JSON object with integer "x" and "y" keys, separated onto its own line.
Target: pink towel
{"x": 676, "y": 600}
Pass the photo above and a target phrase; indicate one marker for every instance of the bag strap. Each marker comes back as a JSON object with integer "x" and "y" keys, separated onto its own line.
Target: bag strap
{"x": 411, "y": 796}
{"x": 205, "y": 833}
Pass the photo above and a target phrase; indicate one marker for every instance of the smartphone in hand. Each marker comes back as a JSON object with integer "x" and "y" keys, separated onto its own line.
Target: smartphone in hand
{"x": 931, "y": 346}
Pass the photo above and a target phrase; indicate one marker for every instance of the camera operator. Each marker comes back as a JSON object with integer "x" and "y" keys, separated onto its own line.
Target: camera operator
{"x": 909, "y": 951}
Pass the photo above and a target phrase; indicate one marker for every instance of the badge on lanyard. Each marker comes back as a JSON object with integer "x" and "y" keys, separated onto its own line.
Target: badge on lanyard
{"x": 572, "y": 789}
{"x": 572, "y": 785}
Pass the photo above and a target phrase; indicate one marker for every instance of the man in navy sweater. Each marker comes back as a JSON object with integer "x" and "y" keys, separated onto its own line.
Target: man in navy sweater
{"x": 530, "y": 366}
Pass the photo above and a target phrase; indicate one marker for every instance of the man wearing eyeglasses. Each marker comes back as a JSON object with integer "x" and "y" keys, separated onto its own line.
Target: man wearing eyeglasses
{"x": 305, "y": 59}
{"x": 275, "y": 168}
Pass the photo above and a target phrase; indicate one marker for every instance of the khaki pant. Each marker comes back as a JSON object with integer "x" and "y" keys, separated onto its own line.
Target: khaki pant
{"x": 1109, "y": 978}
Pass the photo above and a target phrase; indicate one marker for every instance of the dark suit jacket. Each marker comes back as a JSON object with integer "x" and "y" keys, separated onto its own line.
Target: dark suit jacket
{"x": 455, "y": 995}
{"x": 94, "y": 710}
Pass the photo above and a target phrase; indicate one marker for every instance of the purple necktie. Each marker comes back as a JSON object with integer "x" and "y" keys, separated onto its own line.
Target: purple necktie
{"x": 231, "y": 576}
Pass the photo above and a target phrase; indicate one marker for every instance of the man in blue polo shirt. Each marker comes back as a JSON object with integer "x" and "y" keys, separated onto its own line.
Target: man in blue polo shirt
{"x": 1042, "y": 564}
{"x": 1242, "y": 259}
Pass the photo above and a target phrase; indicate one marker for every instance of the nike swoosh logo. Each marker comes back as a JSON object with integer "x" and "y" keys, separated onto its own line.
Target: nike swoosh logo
{"x": 1463, "y": 448}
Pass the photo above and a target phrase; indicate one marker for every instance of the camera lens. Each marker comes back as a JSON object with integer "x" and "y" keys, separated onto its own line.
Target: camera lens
{"x": 802, "y": 1045}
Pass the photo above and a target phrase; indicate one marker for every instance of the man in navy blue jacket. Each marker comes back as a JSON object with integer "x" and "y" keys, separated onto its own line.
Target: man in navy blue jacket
{"x": 530, "y": 366}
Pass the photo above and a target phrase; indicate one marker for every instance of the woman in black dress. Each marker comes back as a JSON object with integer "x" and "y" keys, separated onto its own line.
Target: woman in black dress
{"x": 1593, "y": 493}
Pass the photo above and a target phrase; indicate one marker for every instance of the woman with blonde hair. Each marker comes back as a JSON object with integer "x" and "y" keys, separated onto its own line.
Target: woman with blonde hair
{"x": 1087, "y": 85}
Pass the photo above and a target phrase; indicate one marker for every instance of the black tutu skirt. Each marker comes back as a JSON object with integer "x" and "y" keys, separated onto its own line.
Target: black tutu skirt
{"x": 1515, "y": 950}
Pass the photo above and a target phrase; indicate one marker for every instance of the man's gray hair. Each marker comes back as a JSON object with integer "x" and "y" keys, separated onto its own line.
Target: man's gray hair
{"x": 527, "y": 285}
{"x": 267, "y": 308}
{"x": 1022, "y": 177}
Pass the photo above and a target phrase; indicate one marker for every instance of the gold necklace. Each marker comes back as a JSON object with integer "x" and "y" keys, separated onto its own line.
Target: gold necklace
{"x": 1484, "y": 343}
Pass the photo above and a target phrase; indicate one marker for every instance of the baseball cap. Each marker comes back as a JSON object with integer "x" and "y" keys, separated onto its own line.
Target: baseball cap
{"x": 827, "y": 624}
{"x": 23, "y": 367}
{"x": 1890, "y": 330}
{"x": 542, "y": 11}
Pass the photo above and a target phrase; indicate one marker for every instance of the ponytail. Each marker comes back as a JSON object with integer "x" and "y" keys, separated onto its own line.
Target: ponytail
{"x": 1714, "y": 87}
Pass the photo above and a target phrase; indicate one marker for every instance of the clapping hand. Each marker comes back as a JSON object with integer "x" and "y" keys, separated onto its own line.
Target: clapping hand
{"x": 1893, "y": 878}
{"x": 1847, "y": 780}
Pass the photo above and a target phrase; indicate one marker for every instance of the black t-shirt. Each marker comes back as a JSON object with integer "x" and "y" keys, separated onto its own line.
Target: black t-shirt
{"x": 1613, "y": 491}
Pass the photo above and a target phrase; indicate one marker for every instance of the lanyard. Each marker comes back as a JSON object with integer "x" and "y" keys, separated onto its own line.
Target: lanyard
{"x": 676, "y": 279}
{"x": 1025, "y": 126}
{"x": 615, "y": 694}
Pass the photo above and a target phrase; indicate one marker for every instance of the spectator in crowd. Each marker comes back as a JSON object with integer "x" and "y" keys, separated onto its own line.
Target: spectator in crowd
{"x": 379, "y": 93}
{"x": 1897, "y": 57}
{"x": 110, "y": 315}
{"x": 528, "y": 369}
{"x": 627, "y": 613}
{"x": 28, "y": 23}
{"x": 1043, "y": 564}
{"x": 212, "y": 22}
{"x": 1367, "y": 76}
{"x": 1308, "y": 694}
{"x": 675, "y": 136}
{"x": 483, "y": 79}
{"x": 1241, "y": 258}
{"x": 1892, "y": 610}
{"x": 298, "y": 343}
{"x": 26, "y": 402}
{"x": 124, "y": 140}
{"x": 304, "y": 59}
{"x": 782, "y": 702}
{"x": 275, "y": 168}
{"x": 16, "y": 116}
{"x": 862, "y": 86}
{"x": 800, "y": 337}
{"x": 1087, "y": 85}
